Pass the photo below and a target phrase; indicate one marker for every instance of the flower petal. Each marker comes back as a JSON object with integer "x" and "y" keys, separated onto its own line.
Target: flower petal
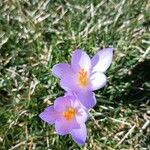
{"x": 49, "y": 115}
{"x": 102, "y": 60}
{"x": 87, "y": 98}
{"x": 69, "y": 83}
{"x": 80, "y": 60}
{"x": 98, "y": 80}
{"x": 61, "y": 103}
{"x": 82, "y": 115}
{"x": 61, "y": 70}
{"x": 79, "y": 135}
{"x": 63, "y": 126}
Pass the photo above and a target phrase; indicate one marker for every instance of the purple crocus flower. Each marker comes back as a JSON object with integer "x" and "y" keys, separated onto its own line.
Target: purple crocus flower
{"x": 69, "y": 117}
{"x": 84, "y": 75}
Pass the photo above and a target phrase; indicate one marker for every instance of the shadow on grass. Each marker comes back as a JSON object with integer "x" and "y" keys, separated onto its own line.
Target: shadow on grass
{"x": 139, "y": 78}
{"x": 4, "y": 97}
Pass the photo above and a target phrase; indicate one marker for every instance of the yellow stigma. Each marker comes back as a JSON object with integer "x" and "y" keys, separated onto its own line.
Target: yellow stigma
{"x": 83, "y": 78}
{"x": 70, "y": 113}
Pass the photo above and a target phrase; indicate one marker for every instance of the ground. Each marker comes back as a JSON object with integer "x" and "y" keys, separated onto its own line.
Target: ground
{"x": 35, "y": 35}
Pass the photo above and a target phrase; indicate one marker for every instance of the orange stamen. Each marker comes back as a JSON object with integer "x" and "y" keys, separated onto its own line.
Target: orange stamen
{"x": 70, "y": 113}
{"x": 83, "y": 78}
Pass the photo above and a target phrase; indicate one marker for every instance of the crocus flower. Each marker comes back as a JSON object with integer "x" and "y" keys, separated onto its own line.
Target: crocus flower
{"x": 84, "y": 75}
{"x": 69, "y": 117}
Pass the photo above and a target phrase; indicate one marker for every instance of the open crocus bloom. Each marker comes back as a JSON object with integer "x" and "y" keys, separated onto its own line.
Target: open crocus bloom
{"x": 69, "y": 117}
{"x": 84, "y": 75}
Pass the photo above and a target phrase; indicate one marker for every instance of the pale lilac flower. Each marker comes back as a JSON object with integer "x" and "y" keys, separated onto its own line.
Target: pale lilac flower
{"x": 69, "y": 117}
{"x": 84, "y": 75}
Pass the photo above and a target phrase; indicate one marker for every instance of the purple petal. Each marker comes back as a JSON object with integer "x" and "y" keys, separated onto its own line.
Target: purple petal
{"x": 61, "y": 104}
{"x": 87, "y": 98}
{"x": 70, "y": 93}
{"x": 80, "y": 60}
{"x": 69, "y": 83}
{"x": 82, "y": 115}
{"x": 62, "y": 70}
{"x": 63, "y": 126}
{"x": 49, "y": 115}
{"x": 102, "y": 60}
{"x": 79, "y": 135}
{"x": 98, "y": 80}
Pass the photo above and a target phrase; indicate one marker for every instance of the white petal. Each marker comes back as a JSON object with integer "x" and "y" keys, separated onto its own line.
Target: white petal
{"x": 102, "y": 60}
{"x": 80, "y": 60}
{"x": 98, "y": 80}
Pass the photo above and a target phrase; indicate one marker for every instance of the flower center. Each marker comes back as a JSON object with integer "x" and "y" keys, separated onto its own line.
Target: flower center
{"x": 70, "y": 113}
{"x": 83, "y": 78}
